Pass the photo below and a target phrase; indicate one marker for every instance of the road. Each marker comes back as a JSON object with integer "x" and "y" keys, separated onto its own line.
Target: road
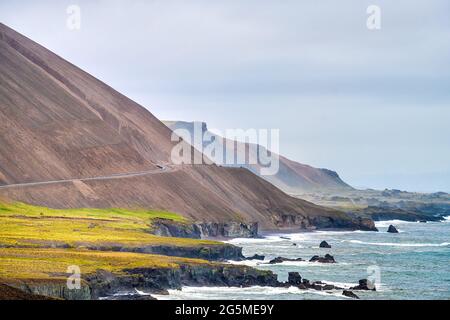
{"x": 160, "y": 169}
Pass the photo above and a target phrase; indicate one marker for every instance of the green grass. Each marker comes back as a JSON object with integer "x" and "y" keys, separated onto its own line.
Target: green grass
{"x": 52, "y": 264}
{"x": 23, "y": 225}
{"x": 31, "y": 240}
{"x": 36, "y": 211}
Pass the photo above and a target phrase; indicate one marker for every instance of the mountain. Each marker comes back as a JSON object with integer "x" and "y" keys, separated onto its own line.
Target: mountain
{"x": 67, "y": 140}
{"x": 292, "y": 177}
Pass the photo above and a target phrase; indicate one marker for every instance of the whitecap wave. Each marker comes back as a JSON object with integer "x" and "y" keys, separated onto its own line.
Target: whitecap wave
{"x": 344, "y": 285}
{"x": 237, "y": 241}
{"x": 393, "y": 244}
{"x": 249, "y": 263}
{"x": 265, "y": 263}
{"x": 308, "y": 264}
{"x": 219, "y": 293}
{"x": 380, "y": 287}
{"x": 387, "y": 223}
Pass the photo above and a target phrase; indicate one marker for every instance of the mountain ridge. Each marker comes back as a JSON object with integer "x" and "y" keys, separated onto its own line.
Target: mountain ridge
{"x": 292, "y": 177}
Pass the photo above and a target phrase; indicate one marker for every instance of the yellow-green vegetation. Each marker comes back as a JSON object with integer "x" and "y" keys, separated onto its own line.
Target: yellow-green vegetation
{"x": 35, "y": 264}
{"x": 23, "y": 225}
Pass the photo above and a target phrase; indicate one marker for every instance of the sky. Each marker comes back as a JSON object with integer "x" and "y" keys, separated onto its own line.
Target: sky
{"x": 373, "y": 105}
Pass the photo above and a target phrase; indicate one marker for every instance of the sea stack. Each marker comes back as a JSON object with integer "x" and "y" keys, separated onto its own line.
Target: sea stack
{"x": 350, "y": 294}
{"x": 392, "y": 229}
{"x": 326, "y": 259}
{"x": 324, "y": 244}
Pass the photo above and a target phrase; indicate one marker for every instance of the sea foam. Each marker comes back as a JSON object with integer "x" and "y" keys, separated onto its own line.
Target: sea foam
{"x": 393, "y": 244}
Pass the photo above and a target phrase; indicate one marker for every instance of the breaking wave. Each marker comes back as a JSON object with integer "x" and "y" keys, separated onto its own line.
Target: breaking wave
{"x": 393, "y": 244}
{"x": 218, "y": 293}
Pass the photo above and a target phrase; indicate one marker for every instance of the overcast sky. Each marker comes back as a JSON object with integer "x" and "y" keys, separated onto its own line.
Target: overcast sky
{"x": 374, "y": 105}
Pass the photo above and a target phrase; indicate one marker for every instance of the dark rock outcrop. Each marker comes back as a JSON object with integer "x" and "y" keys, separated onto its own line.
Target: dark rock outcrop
{"x": 324, "y": 244}
{"x": 221, "y": 252}
{"x": 351, "y": 221}
{"x": 169, "y": 228}
{"x": 349, "y": 294}
{"x": 392, "y": 229}
{"x": 54, "y": 289}
{"x": 130, "y": 297}
{"x": 11, "y": 293}
{"x": 282, "y": 259}
{"x": 256, "y": 257}
{"x": 325, "y": 259}
{"x": 228, "y": 230}
{"x": 151, "y": 280}
{"x": 364, "y": 285}
{"x": 412, "y": 210}
{"x": 294, "y": 279}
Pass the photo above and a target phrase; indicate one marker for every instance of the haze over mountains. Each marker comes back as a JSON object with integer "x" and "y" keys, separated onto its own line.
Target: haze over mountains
{"x": 82, "y": 144}
{"x": 292, "y": 177}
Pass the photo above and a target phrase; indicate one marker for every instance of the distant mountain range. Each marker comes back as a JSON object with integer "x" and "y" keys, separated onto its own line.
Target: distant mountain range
{"x": 292, "y": 177}
{"x": 68, "y": 140}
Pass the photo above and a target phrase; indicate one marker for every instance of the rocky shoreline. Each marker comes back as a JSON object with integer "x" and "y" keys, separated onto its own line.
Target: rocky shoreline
{"x": 104, "y": 284}
{"x": 141, "y": 283}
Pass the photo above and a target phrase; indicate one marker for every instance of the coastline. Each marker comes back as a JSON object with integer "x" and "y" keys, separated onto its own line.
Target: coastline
{"x": 392, "y": 254}
{"x": 210, "y": 265}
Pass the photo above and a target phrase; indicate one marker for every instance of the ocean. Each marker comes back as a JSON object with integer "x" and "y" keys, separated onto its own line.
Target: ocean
{"x": 414, "y": 264}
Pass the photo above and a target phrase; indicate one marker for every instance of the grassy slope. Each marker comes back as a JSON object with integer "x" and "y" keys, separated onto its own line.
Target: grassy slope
{"x": 52, "y": 264}
{"x": 31, "y": 226}
{"x": 27, "y": 232}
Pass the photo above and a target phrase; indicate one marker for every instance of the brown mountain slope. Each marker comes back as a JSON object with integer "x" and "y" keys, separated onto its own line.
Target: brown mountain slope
{"x": 60, "y": 123}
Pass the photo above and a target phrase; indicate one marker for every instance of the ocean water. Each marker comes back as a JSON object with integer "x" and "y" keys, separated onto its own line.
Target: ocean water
{"x": 414, "y": 264}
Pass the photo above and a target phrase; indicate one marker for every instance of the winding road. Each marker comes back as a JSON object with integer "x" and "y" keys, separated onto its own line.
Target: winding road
{"x": 161, "y": 169}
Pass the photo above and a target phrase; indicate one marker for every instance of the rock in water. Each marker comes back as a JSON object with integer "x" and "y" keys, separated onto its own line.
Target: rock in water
{"x": 365, "y": 284}
{"x": 326, "y": 259}
{"x": 350, "y": 294}
{"x": 294, "y": 279}
{"x": 282, "y": 259}
{"x": 324, "y": 244}
{"x": 256, "y": 257}
{"x": 392, "y": 229}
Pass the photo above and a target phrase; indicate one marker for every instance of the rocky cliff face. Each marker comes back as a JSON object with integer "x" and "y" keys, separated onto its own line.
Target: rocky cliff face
{"x": 356, "y": 222}
{"x": 169, "y": 228}
{"x": 153, "y": 280}
{"x": 157, "y": 280}
{"x": 201, "y": 230}
{"x": 53, "y": 288}
{"x": 211, "y": 253}
{"x": 11, "y": 293}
